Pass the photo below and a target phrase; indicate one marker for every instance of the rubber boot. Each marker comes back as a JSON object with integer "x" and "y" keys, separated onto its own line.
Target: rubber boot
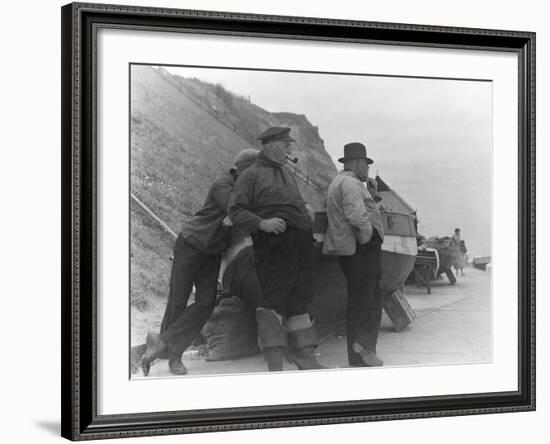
{"x": 305, "y": 359}
{"x": 274, "y": 358}
{"x": 302, "y": 340}
{"x": 272, "y": 338}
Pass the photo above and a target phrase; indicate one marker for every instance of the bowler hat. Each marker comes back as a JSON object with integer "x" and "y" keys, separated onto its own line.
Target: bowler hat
{"x": 275, "y": 133}
{"x": 355, "y": 150}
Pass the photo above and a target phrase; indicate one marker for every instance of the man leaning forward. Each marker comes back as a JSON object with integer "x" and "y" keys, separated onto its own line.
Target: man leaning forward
{"x": 197, "y": 255}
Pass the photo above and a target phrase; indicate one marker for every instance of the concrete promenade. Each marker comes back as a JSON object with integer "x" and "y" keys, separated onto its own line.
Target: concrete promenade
{"x": 452, "y": 325}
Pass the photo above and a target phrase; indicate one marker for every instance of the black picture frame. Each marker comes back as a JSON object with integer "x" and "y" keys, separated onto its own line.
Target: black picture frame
{"x": 80, "y": 420}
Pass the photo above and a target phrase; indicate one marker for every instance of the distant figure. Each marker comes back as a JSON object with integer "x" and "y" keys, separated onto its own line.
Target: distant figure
{"x": 197, "y": 255}
{"x": 454, "y": 250}
{"x": 355, "y": 234}
{"x": 268, "y": 204}
{"x": 456, "y": 236}
{"x": 462, "y": 259}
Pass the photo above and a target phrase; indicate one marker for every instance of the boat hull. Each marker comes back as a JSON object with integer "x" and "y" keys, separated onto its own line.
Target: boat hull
{"x": 395, "y": 270}
{"x": 398, "y": 258}
{"x": 329, "y": 284}
{"x": 238, "y": 278}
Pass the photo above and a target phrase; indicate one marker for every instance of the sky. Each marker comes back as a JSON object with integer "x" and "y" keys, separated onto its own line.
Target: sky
{"x": 430, "y": 139}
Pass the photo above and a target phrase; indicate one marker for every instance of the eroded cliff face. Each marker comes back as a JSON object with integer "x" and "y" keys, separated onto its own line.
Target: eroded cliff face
{"x": 184, "y": 134}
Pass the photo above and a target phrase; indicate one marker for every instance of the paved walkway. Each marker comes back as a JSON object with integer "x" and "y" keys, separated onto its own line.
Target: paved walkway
{"x": 452, "y": 325}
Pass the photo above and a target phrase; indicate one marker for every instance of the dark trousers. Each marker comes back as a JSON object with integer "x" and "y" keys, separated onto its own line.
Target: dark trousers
{"x": 182, "y": 323}
{"x": 284, "y": 265}
{"x": 364, "y": 310}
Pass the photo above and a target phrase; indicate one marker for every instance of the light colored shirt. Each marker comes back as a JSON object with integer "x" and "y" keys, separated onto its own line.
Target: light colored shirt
{"x": 352, "y": 215}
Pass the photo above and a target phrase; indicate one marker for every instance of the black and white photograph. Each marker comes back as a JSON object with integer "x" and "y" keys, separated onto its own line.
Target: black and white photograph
{"x": 307, "y": 221}
{"x": 248, "y": 222}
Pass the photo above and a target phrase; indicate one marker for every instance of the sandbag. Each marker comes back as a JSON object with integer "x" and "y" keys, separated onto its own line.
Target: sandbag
{"x": 231, "y": 331}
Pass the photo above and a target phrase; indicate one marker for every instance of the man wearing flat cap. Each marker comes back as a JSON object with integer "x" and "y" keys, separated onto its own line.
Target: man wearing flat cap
{"x": 197, "y": 255}
{"x": 267, "y": 203}
{"x": 355, "y": 234}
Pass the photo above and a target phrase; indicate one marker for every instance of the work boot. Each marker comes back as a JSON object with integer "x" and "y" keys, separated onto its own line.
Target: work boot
{"x": 305, "y": 359}
{"x": 176, "y": 367}
{"x": 302, "y": 340}
{"x": 154, "y": 348}
{"x": 368, "y": 357}
{"x": 274, "y": 358}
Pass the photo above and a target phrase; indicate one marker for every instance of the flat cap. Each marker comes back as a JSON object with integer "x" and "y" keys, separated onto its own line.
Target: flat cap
{"x": 245, "y": 158}
{"x": 275, "y": 133}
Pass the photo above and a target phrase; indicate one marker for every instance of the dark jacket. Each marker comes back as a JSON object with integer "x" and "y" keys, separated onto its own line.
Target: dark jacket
{"x": 205, "y": 230}
{"x": 266, "y": 190}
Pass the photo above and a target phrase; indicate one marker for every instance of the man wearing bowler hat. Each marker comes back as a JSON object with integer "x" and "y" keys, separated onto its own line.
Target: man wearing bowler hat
{"x": 267, "y": 203}
{"x": 355, "y": 234}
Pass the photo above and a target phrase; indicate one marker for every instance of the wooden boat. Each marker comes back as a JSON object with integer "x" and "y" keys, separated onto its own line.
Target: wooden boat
{"x": 481, "y": 262}
{"x": 399, "y": 251}
{"x": 231, "y": 330}
{"x": 400, "y": 247}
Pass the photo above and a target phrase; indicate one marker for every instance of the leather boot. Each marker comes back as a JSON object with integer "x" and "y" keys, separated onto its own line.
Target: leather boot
{"x": 155, "y": 347}
{"x": 176, "y": 366}
{"x": 368, "y": 357}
